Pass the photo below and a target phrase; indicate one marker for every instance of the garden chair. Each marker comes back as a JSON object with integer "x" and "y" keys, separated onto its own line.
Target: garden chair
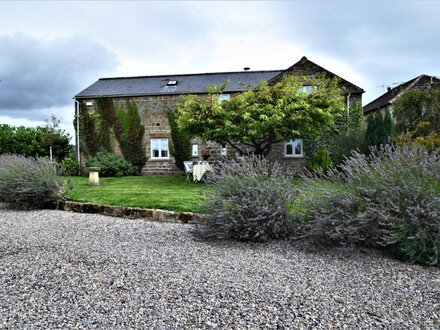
{"x": 188, "y": 170}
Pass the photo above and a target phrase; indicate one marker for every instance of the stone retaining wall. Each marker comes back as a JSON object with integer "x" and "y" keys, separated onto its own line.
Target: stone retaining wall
{"x": 132, "y": 212}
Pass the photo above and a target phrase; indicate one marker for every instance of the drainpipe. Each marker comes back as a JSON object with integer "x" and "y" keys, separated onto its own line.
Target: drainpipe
{"x": 348, "y": 108}
{"x": 78, "y": 155}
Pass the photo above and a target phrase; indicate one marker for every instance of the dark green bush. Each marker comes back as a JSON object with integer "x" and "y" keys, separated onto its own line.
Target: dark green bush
{"x": 249, "y": 200}
{"x": 30, "y": 182}
{"x": 111, "y": 165}
{"x": 391, "y": 199}
{"x": 68, "y": 167}
{"x": 321, "y": 160}
{"x": 346, "y": 143}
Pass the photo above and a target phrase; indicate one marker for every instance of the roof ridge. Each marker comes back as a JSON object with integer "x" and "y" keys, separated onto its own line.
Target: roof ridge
{"x": 415, "y": 81}
{"x": 305, "y": 59}
{"x": 188, "y": 74}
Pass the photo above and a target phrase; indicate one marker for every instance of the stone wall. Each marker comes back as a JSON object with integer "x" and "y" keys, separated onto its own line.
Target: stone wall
{"x": 154, "y": 118}
{"x": 152, "y": 113}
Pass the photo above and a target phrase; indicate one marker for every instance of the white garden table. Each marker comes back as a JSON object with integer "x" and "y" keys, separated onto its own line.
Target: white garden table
{"x": 199, "y": 170}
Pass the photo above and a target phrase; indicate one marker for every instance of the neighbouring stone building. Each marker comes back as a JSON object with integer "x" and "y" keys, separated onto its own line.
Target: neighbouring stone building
{"x": 155, "y": 94}
{"x": 386, "y": 100}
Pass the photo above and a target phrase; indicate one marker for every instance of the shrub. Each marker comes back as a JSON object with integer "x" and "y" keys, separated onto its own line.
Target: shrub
{"x": 321, "y": 160}
{"x": 391, "y": 199}
{"x": 68, "y": 167}
{"x": 249, "y": 200}
{"x": 29, "y": 181}
{"x": 111, "y": 164}
{"x": 346, "y": 143}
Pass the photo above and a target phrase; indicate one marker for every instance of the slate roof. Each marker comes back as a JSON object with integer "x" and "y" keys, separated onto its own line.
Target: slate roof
{"x": 187, "y": 83}
{"x": 421, "y": 81}
{"x": 197, "y": 83}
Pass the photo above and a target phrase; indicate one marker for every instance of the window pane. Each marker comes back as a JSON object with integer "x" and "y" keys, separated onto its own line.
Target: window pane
{"x": 298, "y": 147}
{"x": 223, "y": 149}
{"x": 164, "y": 144}
{"x": 195, "y": 150}
{"x": 289, "y": 148}
{"x": 164, "y": 154}
{"x": 223, "y": 97}
{"x": 155, "y": 153}
{"x": 155, "y": 144}
{"x": 308, "y": 89}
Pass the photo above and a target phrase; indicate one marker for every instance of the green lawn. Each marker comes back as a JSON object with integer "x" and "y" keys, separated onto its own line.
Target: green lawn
{"x": 168, "y": 193}
{"x": 161, "y": 192}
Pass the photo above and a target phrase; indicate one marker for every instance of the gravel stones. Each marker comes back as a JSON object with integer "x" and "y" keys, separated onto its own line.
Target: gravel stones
{"x": 68, "y": 270}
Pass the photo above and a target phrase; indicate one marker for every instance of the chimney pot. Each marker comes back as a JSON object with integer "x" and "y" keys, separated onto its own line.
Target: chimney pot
{"x": 388, "y": 88}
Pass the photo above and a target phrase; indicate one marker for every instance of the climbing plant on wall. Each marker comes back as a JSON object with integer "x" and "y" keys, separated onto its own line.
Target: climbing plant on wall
{"x": 106, "y": 114}
{"x": 87, "y": 127}
{"x": 181, "y": 141}
{"x": 130, "y": 133}
{"x": 338, "y": 140}
{"x": 110, "y": 124}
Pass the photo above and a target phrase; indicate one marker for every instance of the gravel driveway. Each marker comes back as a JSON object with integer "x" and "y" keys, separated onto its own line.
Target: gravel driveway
{"x": 70, "y": 270}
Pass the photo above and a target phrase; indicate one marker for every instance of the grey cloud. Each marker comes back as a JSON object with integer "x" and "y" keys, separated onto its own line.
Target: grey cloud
{"x": 384, "y": 41}
{"x": 37, "y": 73}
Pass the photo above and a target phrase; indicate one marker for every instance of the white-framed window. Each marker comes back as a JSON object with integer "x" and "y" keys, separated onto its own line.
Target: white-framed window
{"x": 159, "y": 149}
{"x": 223, "y": 97}
{"x": 308, "y": 89}
{"x": 223, "y": 149}
{"x": 195, "y": 150}
{"x": 89, "y": 103}
{"x": 293, "y": 148}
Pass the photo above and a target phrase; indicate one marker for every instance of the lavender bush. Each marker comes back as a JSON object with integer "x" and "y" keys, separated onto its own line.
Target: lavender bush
{"x": 249, "y": 200}
{"x": 31, "y": 182}
{"x": 391, "y": 199}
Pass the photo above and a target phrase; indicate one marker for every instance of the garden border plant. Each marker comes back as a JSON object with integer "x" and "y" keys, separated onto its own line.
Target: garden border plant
{"x": 390, "y": 199}
{"x": 30, "y": 182}
{"x": 250, "y": 200}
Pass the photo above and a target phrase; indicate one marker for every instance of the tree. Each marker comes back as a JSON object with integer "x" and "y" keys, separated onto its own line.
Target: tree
{"x": 254, "y": 120}
{"x": 35, "y": 141}
{"x": 380, "y": 129}
{"x": 417, "y": 111}
{"x": 54, "y": 138}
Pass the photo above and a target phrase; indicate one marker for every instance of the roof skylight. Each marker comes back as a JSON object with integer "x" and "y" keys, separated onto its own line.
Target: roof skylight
{"x": 172, "y": 83}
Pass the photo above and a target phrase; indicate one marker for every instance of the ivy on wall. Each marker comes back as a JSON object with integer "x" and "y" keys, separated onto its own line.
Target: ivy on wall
{"x": 338, "y": 140}
{"x": 130, "y": 132}
{"x": 181, "y": 141}
{"x": 87, "y": 125}
{"x": 110, "y": 124}
{"x": 105, "y": 112}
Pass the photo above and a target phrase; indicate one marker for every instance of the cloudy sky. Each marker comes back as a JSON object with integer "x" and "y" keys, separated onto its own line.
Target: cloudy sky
{"x": 50, "y": 51}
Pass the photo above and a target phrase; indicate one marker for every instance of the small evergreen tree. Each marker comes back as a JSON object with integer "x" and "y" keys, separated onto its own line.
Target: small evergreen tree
{"x": 379, "y": 129}
{"x": 370, "y": 134}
